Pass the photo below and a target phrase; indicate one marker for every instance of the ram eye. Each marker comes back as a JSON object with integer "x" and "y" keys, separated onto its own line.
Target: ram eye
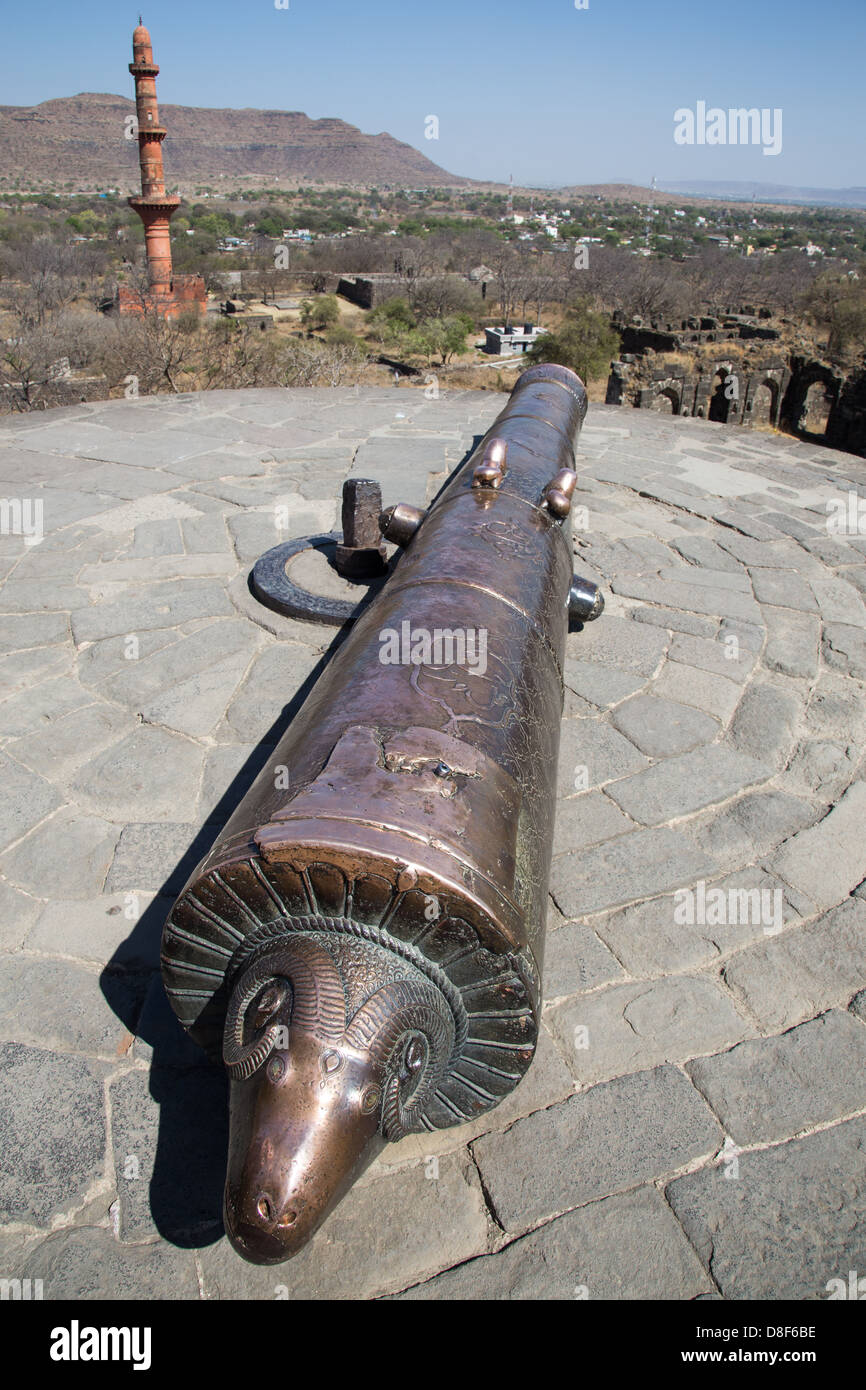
{"x": 370, "y": 1099}
{"x": 267, "y": 1004}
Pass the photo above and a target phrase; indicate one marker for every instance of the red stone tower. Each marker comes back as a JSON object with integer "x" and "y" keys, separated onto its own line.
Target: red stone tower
{"x": 155, "y": 207}
{"x": 169, "y": 294}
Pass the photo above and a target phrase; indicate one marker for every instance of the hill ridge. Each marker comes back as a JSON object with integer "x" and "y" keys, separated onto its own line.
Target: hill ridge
{"x": 85, "y": 134}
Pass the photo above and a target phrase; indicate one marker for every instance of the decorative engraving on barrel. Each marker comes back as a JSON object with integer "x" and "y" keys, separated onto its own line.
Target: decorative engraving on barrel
{"x": 506, "y": 538}
{"x": 465, "y": 697}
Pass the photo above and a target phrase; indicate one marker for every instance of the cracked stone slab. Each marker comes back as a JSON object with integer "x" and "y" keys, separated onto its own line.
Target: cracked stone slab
{"x": 839, "y": 602}
{"x": 768, "y": 1089}
{"x": 737, "y": 582}
{"x": 173, "y": 660}
{"x": 702, "y": 551}
{"x": 652, "y": 938}
{"x": 704, "y": 690}
{"x": 844, "y": 649}
{"x": 824, "y": 767}
{"x": 828, "y": 860}
{"x": 748, "y": 635}
{"x": 130, "y": 571}
{"x": 783, "y": 589}
{"x": 615, "y": 1136}
{"x": 632, "y": 1026}
{"x": 689, "y": 782}
{"x": 33, "y": 710}
{"x": 70, "y": 854}
{"x": 754, "y": 824}
{"x": 675, "y": 621}
{"x": 602, "y": 686}
{"x": 714, "y": 601}
{"x": 591, "y": 753}
{"x": 794, "y": 1219}
{"x": 156, "y": 538}
{"x": 162, "y": 605}
{"x": 587, "y": 820}
{"x": 723, "y": 656}
{"x": 764, "y": 725}
{"x": 62, "y": 745}
{"x": 195, "y": 706}
{"x": 120, "y": 780}
{"x": 23, "y": 669}
{"x": 792, "y": 642}
{"x": 27, "y": 799}
{"x": 576, "y": 960}
{"x": 18, "y": 912}
{"x": 632, "y": 866}
{"x": 618, "y": 643}
{"x": 837, "y": 708}
{"x": 159, "y": 857}
{"x": 662, "y": 728}
{"x": 796, "y": 975}
{"x": 629, "y": 1246}
{"x": 276, "y": 674}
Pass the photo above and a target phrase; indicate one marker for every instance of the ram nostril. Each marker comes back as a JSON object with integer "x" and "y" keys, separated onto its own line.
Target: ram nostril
{"x": 288, "y": 1218}
{"x": 265, "y": 1208}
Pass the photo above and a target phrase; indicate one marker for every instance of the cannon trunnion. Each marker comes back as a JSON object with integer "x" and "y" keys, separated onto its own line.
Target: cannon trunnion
{"x": 363, "y": 945}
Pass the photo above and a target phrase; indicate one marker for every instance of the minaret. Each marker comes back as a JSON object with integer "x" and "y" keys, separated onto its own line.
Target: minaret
{"x": 155, "y": 207}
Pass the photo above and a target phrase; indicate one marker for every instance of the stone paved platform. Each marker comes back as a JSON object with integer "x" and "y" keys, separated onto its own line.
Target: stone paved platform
{"x": 695, "y": 1122}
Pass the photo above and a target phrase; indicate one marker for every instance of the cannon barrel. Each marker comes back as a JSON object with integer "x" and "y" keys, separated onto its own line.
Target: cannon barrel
{"x": 363, "y": 945}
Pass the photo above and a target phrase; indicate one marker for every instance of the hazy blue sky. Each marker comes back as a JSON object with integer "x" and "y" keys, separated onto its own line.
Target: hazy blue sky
{"x": 535, "y": 88}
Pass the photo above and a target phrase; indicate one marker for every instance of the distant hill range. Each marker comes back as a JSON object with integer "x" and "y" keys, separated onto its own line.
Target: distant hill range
{"x": 82, "y": 139}
{"x": 771, "y": 193}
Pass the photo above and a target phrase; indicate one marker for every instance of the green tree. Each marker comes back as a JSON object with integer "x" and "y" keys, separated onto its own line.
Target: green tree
{"x": 390, "y": 321}
{"x": 585, "y": 343}
{"x": 443, "y": 336}
{"x": 321, "y": 312}
{"x": 270, "y": 225}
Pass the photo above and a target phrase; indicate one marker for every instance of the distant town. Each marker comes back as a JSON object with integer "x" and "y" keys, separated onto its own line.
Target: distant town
{"x": 738, "y": 311}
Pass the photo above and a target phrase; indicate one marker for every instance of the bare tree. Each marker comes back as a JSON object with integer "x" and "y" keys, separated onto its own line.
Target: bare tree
{"x": 43, "y": 278}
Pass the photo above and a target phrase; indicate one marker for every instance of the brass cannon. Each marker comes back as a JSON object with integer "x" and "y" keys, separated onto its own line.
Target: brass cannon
{"x": 363, "y": 948}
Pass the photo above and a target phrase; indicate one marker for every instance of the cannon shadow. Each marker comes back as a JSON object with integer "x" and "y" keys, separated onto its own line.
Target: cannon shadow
{"x": 191, "y": 1093}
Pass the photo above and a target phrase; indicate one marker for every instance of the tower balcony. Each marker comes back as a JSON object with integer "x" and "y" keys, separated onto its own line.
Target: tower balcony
{"x": 144, "y": 69}
{"x": 165, "y": 203}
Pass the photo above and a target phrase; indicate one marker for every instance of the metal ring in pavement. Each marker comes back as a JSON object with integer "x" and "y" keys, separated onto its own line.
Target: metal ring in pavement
{"x": 272, "y": 586}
